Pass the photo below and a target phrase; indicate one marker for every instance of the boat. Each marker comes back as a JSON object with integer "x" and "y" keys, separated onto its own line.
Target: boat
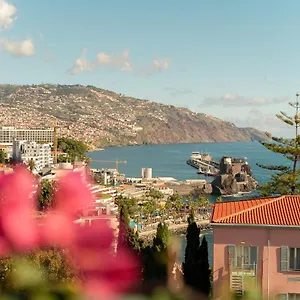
{"x": 244, "y": 193}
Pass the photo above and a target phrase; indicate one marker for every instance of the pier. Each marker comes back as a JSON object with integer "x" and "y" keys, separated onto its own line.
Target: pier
{"x": 196, "y": 163}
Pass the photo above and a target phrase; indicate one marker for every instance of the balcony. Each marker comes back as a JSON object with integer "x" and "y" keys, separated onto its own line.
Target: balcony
{"x": 243, "y": 278}
{"x": 245, "y": 270}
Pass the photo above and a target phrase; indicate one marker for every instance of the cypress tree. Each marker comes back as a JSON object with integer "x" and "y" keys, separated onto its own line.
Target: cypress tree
{"x": 196, "y": 265}
{"x": 191, "y": 265}
{"x": 286, "y": 180}
{"x": 205, "y": 270}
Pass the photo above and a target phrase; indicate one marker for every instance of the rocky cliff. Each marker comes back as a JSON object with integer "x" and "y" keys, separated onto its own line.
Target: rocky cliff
{"x": 105, "y": 118}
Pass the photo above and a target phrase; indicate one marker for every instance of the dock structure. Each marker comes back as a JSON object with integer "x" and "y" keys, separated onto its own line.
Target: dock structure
{"x": 204, "y": 163}
{"x": 196, "y": 163}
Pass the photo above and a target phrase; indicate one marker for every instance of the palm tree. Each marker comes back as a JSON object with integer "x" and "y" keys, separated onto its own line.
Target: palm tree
{"x": 149, "y": 208}
{"x": 203, "y": 203}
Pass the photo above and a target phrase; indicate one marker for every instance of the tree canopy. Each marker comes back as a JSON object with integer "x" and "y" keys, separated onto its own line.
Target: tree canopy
{"x": 75, "y": 150}
{"x": 2, "y": 157}
{"x": 127, "y": 236}
{"x": 155, "y": 194}
{"x": 46, "y": 193}
{"x": 286, "y": 179}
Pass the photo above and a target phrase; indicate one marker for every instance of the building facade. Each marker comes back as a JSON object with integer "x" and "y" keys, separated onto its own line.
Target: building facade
{"x": 9, "y": 134}
{"x": 257, "y": 247}
{"x": 40, "y": 153}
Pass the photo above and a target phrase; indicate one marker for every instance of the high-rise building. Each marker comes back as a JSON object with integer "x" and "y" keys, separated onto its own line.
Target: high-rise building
{"x": 39, "y": 153}
{"x": 9, "y": 134}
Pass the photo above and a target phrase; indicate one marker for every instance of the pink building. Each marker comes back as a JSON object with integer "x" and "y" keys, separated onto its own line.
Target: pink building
{"x": 257, "y": 243}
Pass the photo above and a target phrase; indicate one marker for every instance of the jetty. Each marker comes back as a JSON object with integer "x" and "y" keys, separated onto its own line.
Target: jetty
{"x": 204, "y": 163}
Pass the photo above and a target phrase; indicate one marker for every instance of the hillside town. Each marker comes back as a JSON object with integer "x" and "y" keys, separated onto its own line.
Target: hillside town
{"x": 104, "y": 118}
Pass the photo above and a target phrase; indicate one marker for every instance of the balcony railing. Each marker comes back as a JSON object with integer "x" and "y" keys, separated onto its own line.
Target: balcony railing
{"x": 244, "y": 269}
{"x": 242, "y": 277}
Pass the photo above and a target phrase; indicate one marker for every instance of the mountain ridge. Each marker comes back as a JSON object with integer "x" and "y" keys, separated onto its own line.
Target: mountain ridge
{"x": 105, "y": 118}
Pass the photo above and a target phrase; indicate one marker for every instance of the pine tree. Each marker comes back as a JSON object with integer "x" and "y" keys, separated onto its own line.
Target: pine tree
{"x": 127, "y": 237}
{"x": 205, "y": 270}
{"x": 286, "y": 180}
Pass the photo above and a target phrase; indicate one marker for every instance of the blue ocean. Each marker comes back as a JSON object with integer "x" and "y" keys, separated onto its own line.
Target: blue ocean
{"x": 170, "y": 161}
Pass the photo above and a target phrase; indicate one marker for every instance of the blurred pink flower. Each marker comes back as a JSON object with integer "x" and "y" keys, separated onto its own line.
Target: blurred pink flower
{"x": 57, "y": 229}
{"x": 91, "y": 247}
{"x": 18, "y": 229}
{"x": 73, "y": 194}
{"x": 104, "y": 273}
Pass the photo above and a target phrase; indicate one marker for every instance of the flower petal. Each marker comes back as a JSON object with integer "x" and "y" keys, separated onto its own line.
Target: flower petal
{"x": 73, "y": 194}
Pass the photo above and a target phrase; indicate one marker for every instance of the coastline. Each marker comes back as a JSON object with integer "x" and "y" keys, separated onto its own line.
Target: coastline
{"x": 175, "y": 143}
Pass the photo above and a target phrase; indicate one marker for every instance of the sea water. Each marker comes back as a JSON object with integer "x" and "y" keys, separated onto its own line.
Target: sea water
{"x": 170, "y": 161}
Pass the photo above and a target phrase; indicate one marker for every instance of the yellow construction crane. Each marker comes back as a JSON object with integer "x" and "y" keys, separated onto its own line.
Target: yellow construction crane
{"x": 111, "y": 161}
{"x": 55, "y": 140}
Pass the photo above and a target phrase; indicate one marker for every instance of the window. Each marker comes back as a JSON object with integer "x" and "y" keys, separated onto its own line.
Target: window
{"x": 294, "y": 259}
{"x": 242, "y": 257}
{"x": 289, "y": 259}
{"x": 289, "y": 297}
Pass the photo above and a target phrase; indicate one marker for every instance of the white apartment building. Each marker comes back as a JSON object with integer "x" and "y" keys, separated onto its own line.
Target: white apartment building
{"x": 39, "y": 153}
{"x": 9, "y": 134}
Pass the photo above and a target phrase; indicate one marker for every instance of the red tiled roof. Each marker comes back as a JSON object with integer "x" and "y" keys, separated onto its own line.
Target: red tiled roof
{"x": 283, "y": 210}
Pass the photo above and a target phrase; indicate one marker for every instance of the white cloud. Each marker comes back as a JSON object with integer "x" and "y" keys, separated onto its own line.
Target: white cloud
{"x": 81, "y": 64}
{"x": 262, "y": 121}
{"x": 23, "y": 48}
{"x": 161, "y": 64}
{"x": 7, "y": 12}
{"x": 157, "y": 66}
{"x": 120, "y": 61}
{"x": 231, "y": 99}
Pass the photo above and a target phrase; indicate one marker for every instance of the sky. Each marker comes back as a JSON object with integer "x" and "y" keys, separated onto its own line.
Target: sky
{"x": 236, "y": 60}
